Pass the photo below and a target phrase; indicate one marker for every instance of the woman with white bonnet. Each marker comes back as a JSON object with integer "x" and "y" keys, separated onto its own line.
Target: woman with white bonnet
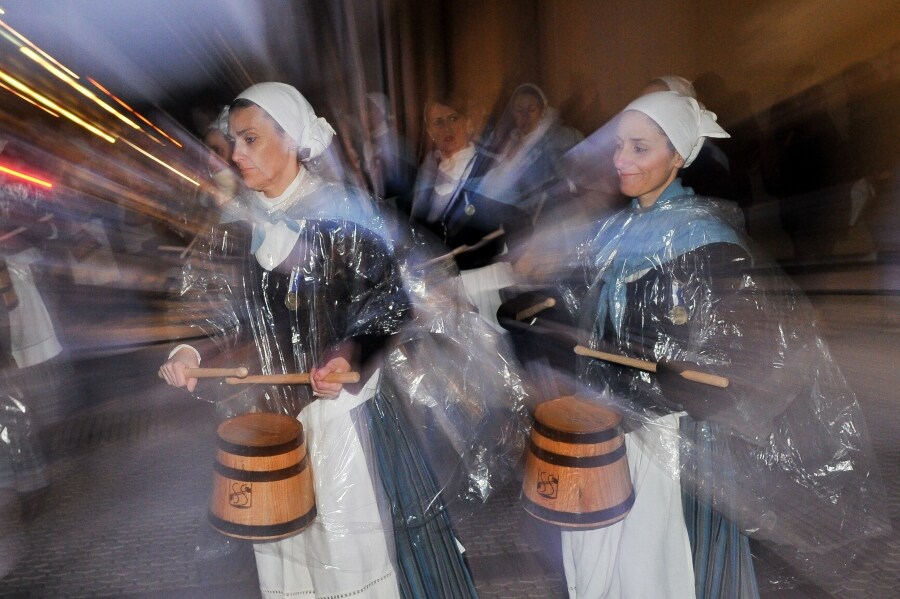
{"x": 319, "y": 291}
{"x": 221, "y": 170}
{"x": 649, "y": 552}
{"x": 737, "y": 421}
{"x": 447, "y": 201}
{"x": 221, "y": 147}
{"x": 530, "y": 139}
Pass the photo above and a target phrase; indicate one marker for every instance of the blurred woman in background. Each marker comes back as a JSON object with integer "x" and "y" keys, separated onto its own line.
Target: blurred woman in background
{"x": 529, "y": 140}
{"x": 447, "y": 201}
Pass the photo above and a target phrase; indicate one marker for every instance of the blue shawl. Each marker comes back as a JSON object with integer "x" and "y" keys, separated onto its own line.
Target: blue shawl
{"x": 638, "y": 239}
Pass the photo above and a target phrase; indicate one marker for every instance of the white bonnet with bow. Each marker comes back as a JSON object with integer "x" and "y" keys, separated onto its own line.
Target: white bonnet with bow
{"x": 682, "y": 119}
{"x": 295, "y": 115}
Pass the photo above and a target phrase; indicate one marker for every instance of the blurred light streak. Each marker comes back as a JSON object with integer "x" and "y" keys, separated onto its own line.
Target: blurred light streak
{"x": 157, "y": 140}
{"x": 152, "y": 157}
{"x": 10, "y": 39}
{"x": 133, "y": 111}
{"x": 81, "y": 89}
{"x": 248, "y": 80}
{"x": 21, "y": 175}
{"x": 27, "y": 99}
{"x": 41, "y": 52}
{"x": 51, "y": 104}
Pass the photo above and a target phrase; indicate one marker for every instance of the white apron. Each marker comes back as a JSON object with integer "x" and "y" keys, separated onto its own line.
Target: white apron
{"x": 345, "y": 551}
{"x": 32, "y": 336}
{"x": 483, "y": 287}
{"x": 648, "y": 553}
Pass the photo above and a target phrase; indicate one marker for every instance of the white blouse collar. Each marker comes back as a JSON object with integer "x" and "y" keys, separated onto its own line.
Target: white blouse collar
{"x": 302, "y": 185}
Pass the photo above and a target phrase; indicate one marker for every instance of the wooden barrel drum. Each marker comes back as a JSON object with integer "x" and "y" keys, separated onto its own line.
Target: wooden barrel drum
{"x": 262, "y": 482}
{"x": 576, "y": 471}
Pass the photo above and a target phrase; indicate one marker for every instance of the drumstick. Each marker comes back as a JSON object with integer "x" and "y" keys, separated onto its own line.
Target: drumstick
{"x": 539, "y": 307}
{"x": 691, "y": 375}
{"x": 188, "y": 248}
{"x": 208, "y": 373}
{"x": 173, "y": 248}
{"x": 301, "y": 378}
{"x": 464, "y": 248}
{"x": 17, "y": 230}
{"x": 12, "y": 233}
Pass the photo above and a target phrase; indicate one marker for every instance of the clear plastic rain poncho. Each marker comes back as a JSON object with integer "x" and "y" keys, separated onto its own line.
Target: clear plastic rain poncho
{"x": 22, "y": 463}
{"x": 441, "y": 427}
{"x": 782, "y": 451}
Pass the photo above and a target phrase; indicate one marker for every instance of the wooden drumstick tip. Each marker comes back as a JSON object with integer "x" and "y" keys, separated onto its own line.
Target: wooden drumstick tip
{"x": 536, "y": 309}
{"x": 713, "y": 380}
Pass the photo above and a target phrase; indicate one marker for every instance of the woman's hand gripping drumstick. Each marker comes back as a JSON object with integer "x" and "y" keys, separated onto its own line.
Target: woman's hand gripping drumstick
{"x": 691, "y": 375}
{"x": 326, "y": 381}
{"x": 180, "y": 370}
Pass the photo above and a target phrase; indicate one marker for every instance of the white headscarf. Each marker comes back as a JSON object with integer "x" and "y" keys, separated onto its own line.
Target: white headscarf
{"x": 682, "y": 119}
{"x": 678, "y": 84}
{"x": 295, "y": 115}
{"x": 534, "y": 89}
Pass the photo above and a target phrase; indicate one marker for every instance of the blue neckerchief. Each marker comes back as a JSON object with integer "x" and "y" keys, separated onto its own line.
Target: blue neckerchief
{"x": 638, "y": 239}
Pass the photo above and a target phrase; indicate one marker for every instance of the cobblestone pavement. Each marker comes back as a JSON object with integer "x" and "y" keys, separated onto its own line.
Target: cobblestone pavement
{"x": 125, "y": 513}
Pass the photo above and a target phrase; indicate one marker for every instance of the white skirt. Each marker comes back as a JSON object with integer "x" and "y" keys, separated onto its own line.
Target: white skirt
{"x": 648, "y": 553}
{"x": 31, "y": 331}
{"x": 345, "y": 552}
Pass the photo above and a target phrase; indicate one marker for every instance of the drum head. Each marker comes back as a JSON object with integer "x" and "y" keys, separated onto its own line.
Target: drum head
{"x": 573, "y": 415}
{"x": 260, "y": 430}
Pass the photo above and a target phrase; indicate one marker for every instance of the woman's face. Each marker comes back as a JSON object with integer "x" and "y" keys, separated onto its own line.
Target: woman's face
{"x": 527, "y": 112}
{"x": 265, "y": 156}
{"x": 644, "y": 160}
{"x": 448, "y": 128}
{"x": 219, "y": 151}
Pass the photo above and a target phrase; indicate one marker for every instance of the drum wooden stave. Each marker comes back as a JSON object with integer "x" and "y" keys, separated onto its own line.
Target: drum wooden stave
{"x": 576, "y": 471}
{"x": 262, "y": 482}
